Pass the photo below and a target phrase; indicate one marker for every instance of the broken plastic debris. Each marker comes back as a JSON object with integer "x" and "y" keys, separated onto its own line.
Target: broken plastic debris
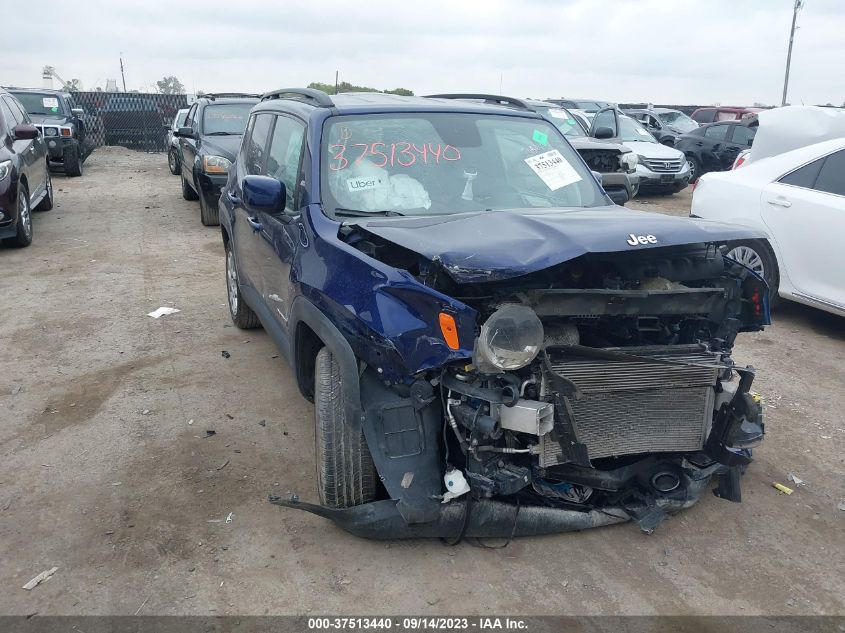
{"x": 782, "y": 488}
{"x": 44, "y": 575}
{"x": 795, "y": 479}
{"x": 229, "y": 518}
{"x": 225, "y": 354}
{"x": 162, "y": 311}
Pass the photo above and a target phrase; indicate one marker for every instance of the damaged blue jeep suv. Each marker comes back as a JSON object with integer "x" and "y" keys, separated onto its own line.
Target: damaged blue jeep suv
{"x": 492, "y": 347}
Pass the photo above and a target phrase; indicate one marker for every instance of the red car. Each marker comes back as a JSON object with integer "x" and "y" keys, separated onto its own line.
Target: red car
{"x": 722, "y": 113}
{"x": 24, "y": 178}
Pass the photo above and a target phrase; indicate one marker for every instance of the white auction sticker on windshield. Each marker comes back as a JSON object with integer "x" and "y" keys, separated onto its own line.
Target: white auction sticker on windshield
{"x": 559, "y": 113}
{"x": 364, "y": 184}
{"x": 553, "y": 169}
{"x": 50, "y": 102}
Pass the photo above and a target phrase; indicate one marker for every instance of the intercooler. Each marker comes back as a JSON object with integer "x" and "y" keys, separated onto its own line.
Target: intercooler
{"x": 637, "y": 405}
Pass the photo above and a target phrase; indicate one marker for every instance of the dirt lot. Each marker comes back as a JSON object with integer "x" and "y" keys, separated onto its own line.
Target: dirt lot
{"x": 107, "y": 473}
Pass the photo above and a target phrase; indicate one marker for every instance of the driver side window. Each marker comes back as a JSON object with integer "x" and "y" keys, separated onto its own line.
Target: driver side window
{"x": 284, "y": 156}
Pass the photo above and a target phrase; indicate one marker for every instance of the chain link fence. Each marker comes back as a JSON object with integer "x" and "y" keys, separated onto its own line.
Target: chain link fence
{"x": 130, "y": 119}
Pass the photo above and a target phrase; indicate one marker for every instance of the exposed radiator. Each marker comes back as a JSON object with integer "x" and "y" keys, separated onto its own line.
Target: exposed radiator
{"x": 636, "y": 406}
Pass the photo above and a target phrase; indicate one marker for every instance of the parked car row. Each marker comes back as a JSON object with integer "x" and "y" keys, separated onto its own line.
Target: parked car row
{"x": 453, "y": 288}
{"x": 25, "y": 183}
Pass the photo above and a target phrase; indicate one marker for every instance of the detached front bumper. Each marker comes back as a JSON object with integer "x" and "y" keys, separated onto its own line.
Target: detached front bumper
{"x": 665, "y": 181}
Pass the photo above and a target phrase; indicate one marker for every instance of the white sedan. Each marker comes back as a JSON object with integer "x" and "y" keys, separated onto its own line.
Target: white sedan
{"x": 798, "y": 199}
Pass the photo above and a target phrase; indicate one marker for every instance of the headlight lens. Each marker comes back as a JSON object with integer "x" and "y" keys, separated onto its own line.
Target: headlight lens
{"x": 629, "y": 161}
{"x": 216, "y": 165}
{"x": 5, "y": 168}
{"x": 51, "y": 131}
{"x": 511, "y": 338}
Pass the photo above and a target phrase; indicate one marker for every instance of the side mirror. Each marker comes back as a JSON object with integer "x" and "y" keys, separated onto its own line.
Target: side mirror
{"x": 597, "y": 175}
{"x": 185, "y": 132}
{"x": 77, "y": 112}
{"x": 25, "y": 132}
{"x": 262, "y": 193}
{"x": 603, "y": 132}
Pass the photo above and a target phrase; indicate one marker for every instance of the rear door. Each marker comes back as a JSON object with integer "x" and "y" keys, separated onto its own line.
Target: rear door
{"x": 739, "y": 138}
{"x": 250, "y": 246}
{"x": 711, "y": 147}
{"x": 283, "y": 233}
{"x": 805, "y": 211}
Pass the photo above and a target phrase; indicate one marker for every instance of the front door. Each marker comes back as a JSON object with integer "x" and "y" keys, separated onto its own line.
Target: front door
{"x": 188, "y": 146}
{"x": 284, "y": 232}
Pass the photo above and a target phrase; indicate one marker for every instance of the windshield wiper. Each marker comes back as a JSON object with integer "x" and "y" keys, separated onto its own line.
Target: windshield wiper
{"x": 222, "y": 134}
{"x": 354, "y": 213}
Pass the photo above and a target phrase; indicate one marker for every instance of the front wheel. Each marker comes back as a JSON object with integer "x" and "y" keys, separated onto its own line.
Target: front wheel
{"x": 759, "y": 257}
{"x": 209, "y": 215}
{"x": 346, "y": 475}
{"x": 72, "y": 160}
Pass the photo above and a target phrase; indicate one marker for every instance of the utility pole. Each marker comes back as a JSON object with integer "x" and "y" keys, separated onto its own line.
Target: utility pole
{"x": 798, "y": 5}
{"x": 124, "y": 76}
{"x": 335, "y": 80}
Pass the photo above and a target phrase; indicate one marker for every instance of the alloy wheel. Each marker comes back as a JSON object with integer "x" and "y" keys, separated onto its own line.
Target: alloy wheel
{"x": 232, "y": 281}
{"x": 691, "y": 165}
{"x": 25, "y": 216}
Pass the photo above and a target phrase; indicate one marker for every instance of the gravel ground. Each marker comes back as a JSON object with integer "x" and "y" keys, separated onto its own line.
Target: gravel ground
{"x": 107, "y": 473}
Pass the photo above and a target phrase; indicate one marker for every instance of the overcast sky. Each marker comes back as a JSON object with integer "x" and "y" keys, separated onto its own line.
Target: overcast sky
{"x": 662, "y": 51}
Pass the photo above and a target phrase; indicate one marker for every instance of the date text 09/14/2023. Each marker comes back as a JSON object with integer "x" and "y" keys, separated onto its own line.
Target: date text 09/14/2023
{"x": 421, "y": 623}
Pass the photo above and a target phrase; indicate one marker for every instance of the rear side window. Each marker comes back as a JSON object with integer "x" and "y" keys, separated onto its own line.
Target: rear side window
{"x": 716, "y": 132}
{"x": 743, "y": 135}
{"x": 804, "y": 176}
{"x": 284, "y": 154}
{"x": 257, "y": 145}
{"x": 830, "y": 178}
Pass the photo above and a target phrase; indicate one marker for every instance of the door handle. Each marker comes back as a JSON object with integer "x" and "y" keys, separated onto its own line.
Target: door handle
{"x": 699, "y": 143}
{"x": 254, "y": 223}
{"x": 780, "y": 201}
{"x": 233, "y": 198}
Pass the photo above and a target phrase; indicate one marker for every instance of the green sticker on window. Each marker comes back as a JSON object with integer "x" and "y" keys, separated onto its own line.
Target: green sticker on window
{"x": 542, "y": 139}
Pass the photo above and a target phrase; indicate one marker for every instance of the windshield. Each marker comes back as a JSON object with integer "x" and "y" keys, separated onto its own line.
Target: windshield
{"x": 630, "y": 130}
{"x": 678, "y": 120}
{"x": 39, "y": 103}
{"x": 562, "y": 120}
{"x": 590, "y": 106}
{"x": 436, "y": 164}
{"x": 181, "y": 117}
{"x": 225, "y": 119}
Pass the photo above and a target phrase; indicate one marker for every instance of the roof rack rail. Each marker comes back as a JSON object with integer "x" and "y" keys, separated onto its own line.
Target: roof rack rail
{"x": 516, "y": 103}
{"x": 230, "y": 95}
{"x": 307, "y": 95}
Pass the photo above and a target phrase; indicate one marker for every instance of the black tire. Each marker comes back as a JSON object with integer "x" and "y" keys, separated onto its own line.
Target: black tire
{"x": 695, "y": 171}
{"x": 759, "y": 257}
{"x": 173, "y": 161}
{"x": 47, "y": 203}
{"x": 72, "y": 160}
{"x": 346, "y": 475}
{"x": 188, "y": 192}
{"x": 242, "y": 315}
{"x": 23, "y": 236}
{"x": 209, "y": 215}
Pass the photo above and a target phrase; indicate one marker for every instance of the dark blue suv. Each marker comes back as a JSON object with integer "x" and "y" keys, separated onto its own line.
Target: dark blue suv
{"x": 491, "y": 346}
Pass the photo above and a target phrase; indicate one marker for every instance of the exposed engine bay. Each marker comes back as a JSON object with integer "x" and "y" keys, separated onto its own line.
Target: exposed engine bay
{"x": 600, "y": 390}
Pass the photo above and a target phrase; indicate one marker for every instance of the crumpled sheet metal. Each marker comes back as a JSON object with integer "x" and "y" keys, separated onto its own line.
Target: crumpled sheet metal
{"x": 791, "y": 127}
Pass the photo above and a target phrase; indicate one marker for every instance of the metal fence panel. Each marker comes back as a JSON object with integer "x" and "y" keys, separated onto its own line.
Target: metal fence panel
{"x": 130, "y": 119}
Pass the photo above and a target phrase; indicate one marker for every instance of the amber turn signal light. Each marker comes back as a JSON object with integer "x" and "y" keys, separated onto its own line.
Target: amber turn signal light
{"x": 449, "y": 330}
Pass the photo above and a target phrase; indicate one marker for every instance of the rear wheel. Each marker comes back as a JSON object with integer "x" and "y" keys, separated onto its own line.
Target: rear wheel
{"x": 187, "y": 191}
{"x": 72, "y": 160}
{"x": 173, "y": 161}
{"x": 23, "y": 235}
{"x": 47, "y": 203}
{"x": 242, "y": 315}
{"x": 346, "y": 475}
{"x": 759, "y": 257}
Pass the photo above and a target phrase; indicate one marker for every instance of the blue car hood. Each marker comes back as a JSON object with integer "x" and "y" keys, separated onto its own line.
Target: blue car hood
{"x": 495, "y": 245}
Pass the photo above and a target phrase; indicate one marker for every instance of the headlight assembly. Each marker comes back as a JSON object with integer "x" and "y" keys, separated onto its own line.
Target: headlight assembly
{"x": 510, "y": 339}
{"x": 629, "y": 161}
{"x": 5, "y": 168}
{"x": 51, "y": 131}
{"x": 216, "y": 165}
